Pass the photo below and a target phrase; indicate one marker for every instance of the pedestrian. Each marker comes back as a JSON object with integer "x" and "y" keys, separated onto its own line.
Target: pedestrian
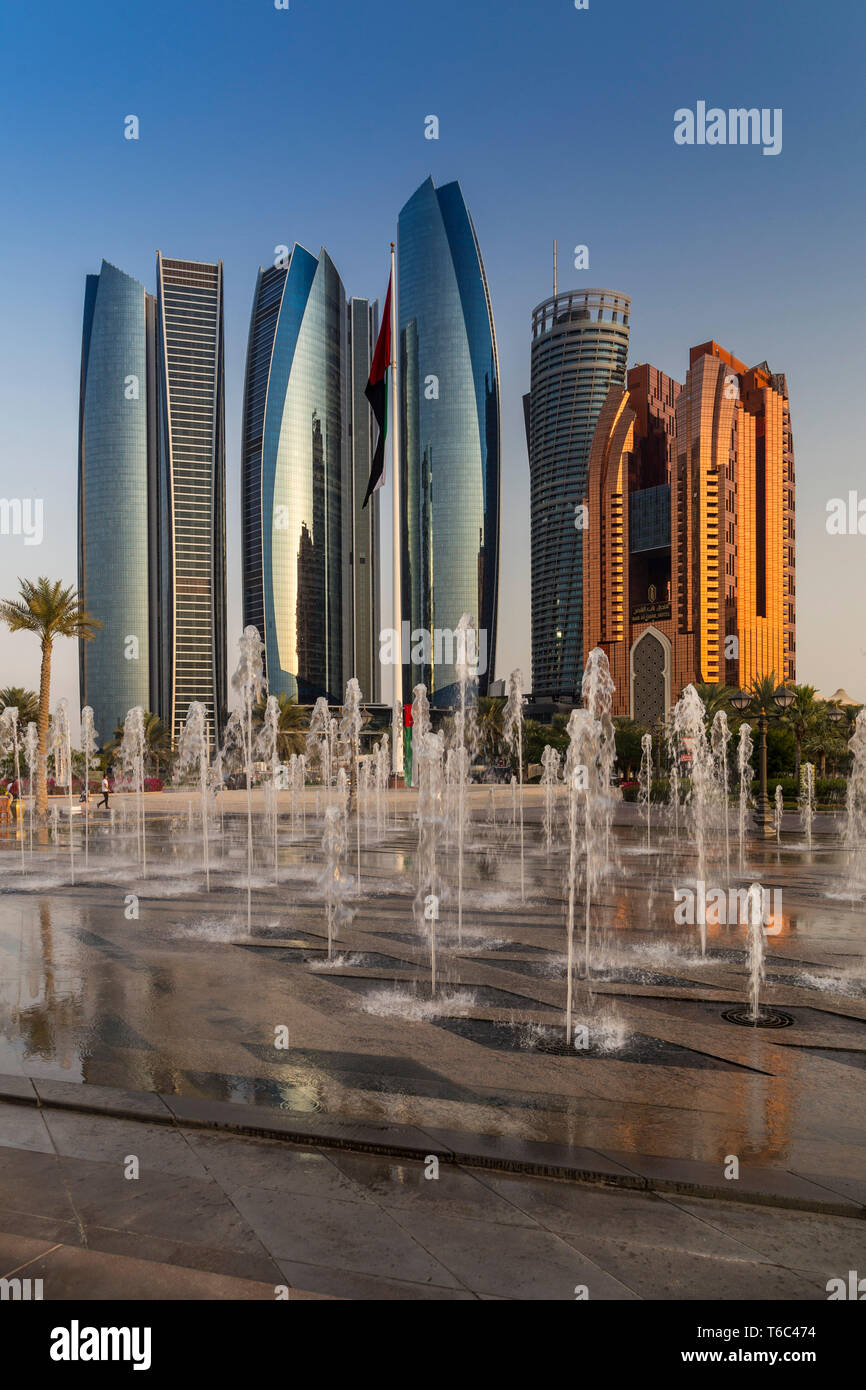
{"x": 105, "y": 790}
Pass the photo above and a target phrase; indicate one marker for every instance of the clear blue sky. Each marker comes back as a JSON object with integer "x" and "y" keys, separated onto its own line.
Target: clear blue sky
{"x": 261, "y": 126}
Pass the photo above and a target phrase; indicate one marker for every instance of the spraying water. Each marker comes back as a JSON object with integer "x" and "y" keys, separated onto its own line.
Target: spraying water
{"x": 420, "y": 723}
{"x": 131, "y": 756}
{"x": 465, "y": 740}
{"x": 248, "y": 682}
{"x": 755, "y": 947}
{"x": 597, "y": 689}
{"x": 9, "y": 740}
{"x": 333, "y": 880}
{"x": 88, "y": 747}
{"x": 512, "y": 729}
{"x": 855, "y": 828}
{"x": 267, "y": 747}
{"x": 550, "y": 762}
{"x": 319, "y": 742}
{"x": 745, "y": 749}
{"x": 350, "y": 732}
{"x": 778, "y": 811}
{"x": 194, "y": 753}
{"x": 59, "y": 740}
{"x": 691, "y": 745}
{"x": 31, "y": 753}
{"x": 430, "y": 756}
{"x": 645, "y": 781}
{"x": 582, "y": 780}
{"x": 807, "y": 800}
{"x": 719, "y": 739}
{"x": 383, "y": 767}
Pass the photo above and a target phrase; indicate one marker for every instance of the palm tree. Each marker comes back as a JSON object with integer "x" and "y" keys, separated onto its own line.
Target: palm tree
{"x": 802, "y": 718}
{"x": 25, "y": 701}
{"x": 714, "y": 698}
{"x": 49, "y": 611}
{"x": 157, "y": 742}
{"x": 293, "y": 725}
{"x": 490, "y": 709}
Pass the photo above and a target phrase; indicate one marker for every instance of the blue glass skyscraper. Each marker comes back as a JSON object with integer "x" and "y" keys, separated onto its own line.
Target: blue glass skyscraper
{"x": 296, "y": 489}
{"x": 116, "y": 479}
{"x": 450, "y": 456}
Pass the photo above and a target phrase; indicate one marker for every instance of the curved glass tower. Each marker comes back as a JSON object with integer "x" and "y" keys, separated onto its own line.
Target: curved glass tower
{"x": 579, "y": 351}
{"x": 116, "y": 475}
{"x": 450, "y": 456}
{"x": 296, "y": 498}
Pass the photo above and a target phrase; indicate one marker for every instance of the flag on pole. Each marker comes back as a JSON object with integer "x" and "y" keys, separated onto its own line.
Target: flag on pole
{"x": 377, "y": 394}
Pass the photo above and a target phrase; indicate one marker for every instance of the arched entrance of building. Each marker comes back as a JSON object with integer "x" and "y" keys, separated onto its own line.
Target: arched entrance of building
{"x": 650, "y": 663}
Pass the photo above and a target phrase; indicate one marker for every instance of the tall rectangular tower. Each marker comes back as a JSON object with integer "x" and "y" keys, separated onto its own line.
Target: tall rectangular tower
{"x": 191, "y": 490}
{"x": 363, "y": 329}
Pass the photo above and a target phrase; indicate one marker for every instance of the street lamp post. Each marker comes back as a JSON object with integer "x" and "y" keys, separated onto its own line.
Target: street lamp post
{"x": 745, "y": 702}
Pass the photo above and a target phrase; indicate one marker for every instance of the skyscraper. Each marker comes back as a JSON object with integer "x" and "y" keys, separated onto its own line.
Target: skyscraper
{"x": 579, "y": 351}
{"x": 363, "y": 328}
{"x": 450, "y": 457}
{"x": 116, "y": 482}
{"x": 296, "y": 478}
{"x": 191, "y": 490}
{"x": 689, "y": 564}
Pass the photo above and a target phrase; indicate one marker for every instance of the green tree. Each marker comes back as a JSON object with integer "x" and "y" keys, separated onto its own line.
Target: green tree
{"x": 158, "y": 752}
{"x": 25, "y": 701}
{"x": 293, "y": 725}
{"x": 48, "y": 611}
{"x": 715, "y": 697}
{"x": 803, "y": 718}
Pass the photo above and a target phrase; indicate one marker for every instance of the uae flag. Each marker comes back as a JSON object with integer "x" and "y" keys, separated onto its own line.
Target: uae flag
{"x": 377, "y": 394}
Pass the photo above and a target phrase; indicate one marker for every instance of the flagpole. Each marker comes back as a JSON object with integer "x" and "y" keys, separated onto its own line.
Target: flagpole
{"x": 397, "y": 743}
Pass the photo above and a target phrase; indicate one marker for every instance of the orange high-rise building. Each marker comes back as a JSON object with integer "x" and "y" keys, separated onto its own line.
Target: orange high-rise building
{"x": 689, "y": 567}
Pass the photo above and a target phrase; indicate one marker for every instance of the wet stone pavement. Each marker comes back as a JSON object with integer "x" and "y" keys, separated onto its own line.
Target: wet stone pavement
{"x": 149, "y": 984}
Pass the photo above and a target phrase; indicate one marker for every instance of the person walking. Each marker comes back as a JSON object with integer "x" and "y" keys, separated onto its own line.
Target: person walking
{"x": 105, "y": 790}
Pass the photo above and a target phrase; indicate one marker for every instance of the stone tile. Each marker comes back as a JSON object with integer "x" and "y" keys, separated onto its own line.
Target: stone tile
{"x": 33, "y": 1182}
{"x": 340, "y": 1283}
{"x": 22, "y": 1127}
{"x": 17, "y": 1088}
{"x": 89, "y": 1275}
{"x": 105, "y": 1139}
{"x": 107, "y": 1100}
{"x": 239, "y": 1162}
{"x": 350, "y": 1236}
{"x": 16, "y": 1252}
{"x": 401, "y": 1183}
{"x": 192, "y": 1210}
{"x": 237, "y": 1263}
{"x": 509, "y": 1261}
{"x": 31, "y": 1225}
{"x": 682, "y": 1174}
{"x": 852, "y": 1188}
{"x": 793, "y": 1239}
{"x": 639, "y": 1217}
{"x": 509, "y": 1152}
{"x": 678, "y": 1274}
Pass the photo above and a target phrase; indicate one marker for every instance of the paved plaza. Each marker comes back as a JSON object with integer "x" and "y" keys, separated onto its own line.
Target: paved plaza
{"x": 285, "y": 1110}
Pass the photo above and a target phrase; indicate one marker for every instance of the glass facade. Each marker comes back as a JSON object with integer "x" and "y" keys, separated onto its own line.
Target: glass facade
{"x": 116, "y": 475}
{"x": 579, "y": 350}
{"x": 191, "y": 486}
{"x": 450, "y": 456}
{"x": 297, "y": 496}
{"x": 363, "y": 329}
